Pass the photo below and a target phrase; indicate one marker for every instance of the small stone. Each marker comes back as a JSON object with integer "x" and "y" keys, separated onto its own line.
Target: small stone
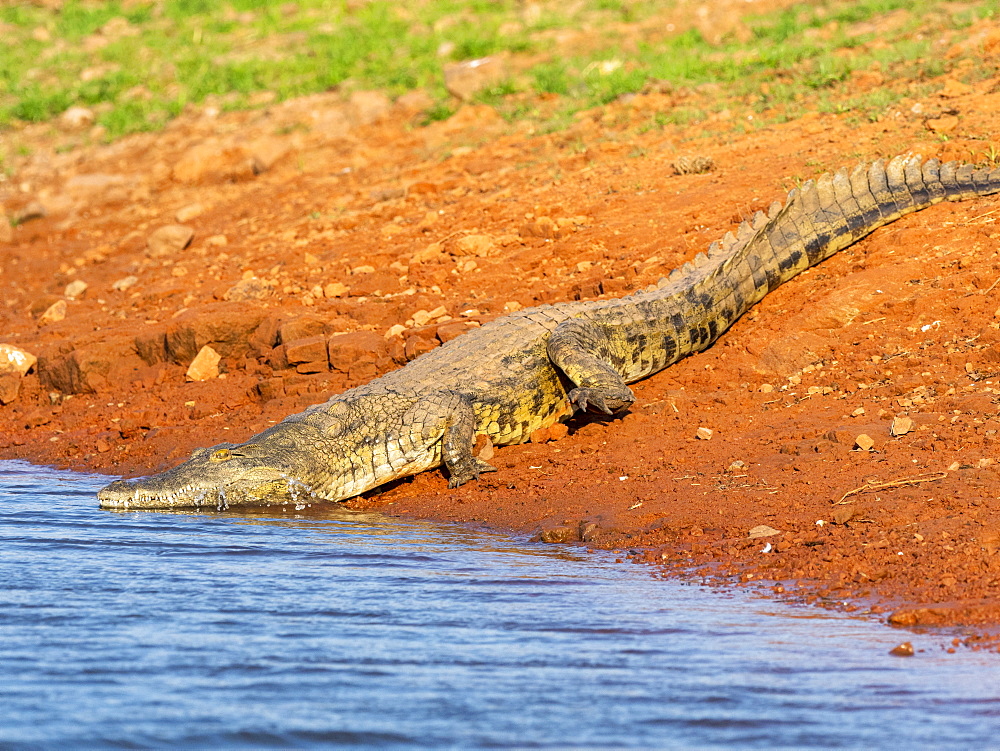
{"x": 168, "y": 239}
{"x": 858, "y": 412}
{"x": 843, "y": 514}
{"x": 551, "y": 433}
{"x": 189, "y": 212}
{"x": 766, "y": 388}
{"x": 902, "y": 650}
{"x": 75, "y": 289}
{"x": 10, "y": 387}
{"x": 954, "y": 466}
{"x": 483, "y": 448}
{"x": 126, "y": 283}
{"x": 15, "y": 360}
{"x": 55, "y": 313}
{"x": 217, "y": 241}
{"x": 205, "y": 365}
{"x": 34, "y": 210}
{"x": 336, "y": 289}
{"x": 433, "y": 252}
{"x": 737, "y": 466}
{"x": 464, "y": 79}
{"x": 693, "y": 165}
{"x": 864, "y": 442}
{"x": 704, "y": 434}
{"x": 954, "y": 88}
{"x": 944, "y": 124}
{"x": 901, "y": 426}
{"x": 475, "y": 245}
{"x": 559, "y": 534}
{"x": 762, "y": 530}
{"x": 249, "y": 289}
{"x": 76, "y": 118}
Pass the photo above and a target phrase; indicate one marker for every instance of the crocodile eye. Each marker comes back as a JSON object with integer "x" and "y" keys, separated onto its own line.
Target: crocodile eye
{"x": 221, "y": 455}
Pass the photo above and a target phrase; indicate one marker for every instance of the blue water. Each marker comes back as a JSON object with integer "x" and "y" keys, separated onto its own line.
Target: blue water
{"x": 208, "y": 630}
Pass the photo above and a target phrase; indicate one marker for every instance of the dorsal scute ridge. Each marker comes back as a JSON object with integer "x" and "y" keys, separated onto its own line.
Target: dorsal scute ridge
{"x": 774, "y": 209}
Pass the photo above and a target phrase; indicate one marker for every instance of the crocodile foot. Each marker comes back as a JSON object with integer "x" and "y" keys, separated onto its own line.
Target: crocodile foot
{"x": 467, "y": 469}
{"x": 600, "y": 400}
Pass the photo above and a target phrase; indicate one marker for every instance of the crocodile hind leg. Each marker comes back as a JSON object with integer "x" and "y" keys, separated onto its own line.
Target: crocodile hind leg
{"x": 583, "y": 351}
{"x": 455, "y": 413}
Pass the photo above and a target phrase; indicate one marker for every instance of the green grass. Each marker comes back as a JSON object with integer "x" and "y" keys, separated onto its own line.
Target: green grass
{"x": 140, "y": 64}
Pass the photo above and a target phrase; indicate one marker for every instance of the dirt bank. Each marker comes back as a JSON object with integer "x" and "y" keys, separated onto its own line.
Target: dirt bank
{"x": 328, "y": 216}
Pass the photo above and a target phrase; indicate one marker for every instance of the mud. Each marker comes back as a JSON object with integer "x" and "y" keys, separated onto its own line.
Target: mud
{"x": 339, "y": 214}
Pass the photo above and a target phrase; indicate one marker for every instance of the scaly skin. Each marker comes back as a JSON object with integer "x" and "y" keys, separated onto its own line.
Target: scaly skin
{"x": 529, "y": 369}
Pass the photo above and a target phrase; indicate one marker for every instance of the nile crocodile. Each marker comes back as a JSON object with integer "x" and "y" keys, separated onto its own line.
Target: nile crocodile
{"x": 529, "y": 369}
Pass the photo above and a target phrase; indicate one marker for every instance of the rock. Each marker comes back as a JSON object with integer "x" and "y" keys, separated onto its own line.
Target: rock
{"x": 703, "y": 434}
{"x": 267, "y": 152}
{"x": 843, "y": 514}
{"x": 125, "y": 283}
{"x": 10, "y": 387}
{"x": 309, "y": 350}
{"x": 417, "y": 345}
{"x": 560, "y": 534}
{"x": 189, "y": 212}
{"x": 762, "y": 530}
{"x": 902, "y": 650}
{"x": 302, "y": 328}
{"x": 954, "y": 88}
{"x": 75, "y": 289}
{"x": 213, "y": 162}
{"x": 359, "y": 354}
{"x": 944, "y": 124}
{"x": 483, "y": 448}
{"x": 336, "y": 289}
{"x": 901, "y": 426}
{"x": 271, "y": 388}
{"x": 365, "y": 107}
{"x": 227, "y": 326}
{"x": 448, "y": 331}
{"x": 16, "y": 360}
{"x": 464, "y": 79}
{"x": 90, "y": 368}
{"x": 76, "y": 118}
{"x": 53, "y": 314}
{"x": 34, "y": 210}
{"x": 475, "y": 245}
{"x": 249, "y": 289}
{"x": 170, "y": 238}
{"x": 552, "y": 433}
{"x": 376, "y": 283}
{"x": 692, "y": 165}
{"x": 864, "y": 442}
{"x": 205, "y": 365}
{"x": 542, "y": 226}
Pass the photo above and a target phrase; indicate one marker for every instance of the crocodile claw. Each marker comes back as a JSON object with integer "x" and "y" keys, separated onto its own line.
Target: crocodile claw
{"x": 468, "y": 470}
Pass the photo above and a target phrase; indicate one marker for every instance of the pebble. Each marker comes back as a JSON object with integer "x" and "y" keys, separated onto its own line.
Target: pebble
{"x": 189, "y": 212}
{"x": 902, "y": 650}
{"x": 55, "y": 313}
{"x": 75, "y": 289}
{"x": 169, "y": 239}
{"x": 249, "y": 289}
{"x": 901, "y": 426}
{"x": 864, "y": 442}
{"x": 34, "y": 210}
{"x": 763, "y": 530}
{"x": 205, "y": 365}
{"x": 15, "y": 360}
{"x": 704, "y": 434}
{"x": 464, "y": 79}
{"x": 125, "y": 283}
{"x": 76, "y": 118}
{"x": 336, "y": 289}
{"x": 475, "y": 245}
{"x": 843, "y": 514}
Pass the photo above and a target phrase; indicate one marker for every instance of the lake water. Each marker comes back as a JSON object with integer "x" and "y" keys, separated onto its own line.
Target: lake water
{"x": 229, "y": 630}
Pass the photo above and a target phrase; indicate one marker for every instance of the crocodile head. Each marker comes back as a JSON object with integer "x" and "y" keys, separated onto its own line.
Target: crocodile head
{"x": 215, "y": 478}
{"x": 331, "y": 452}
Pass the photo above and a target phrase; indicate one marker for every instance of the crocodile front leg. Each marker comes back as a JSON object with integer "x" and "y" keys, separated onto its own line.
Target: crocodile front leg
{"x": 454, "y": 412}
{"x": 583, "y": 351}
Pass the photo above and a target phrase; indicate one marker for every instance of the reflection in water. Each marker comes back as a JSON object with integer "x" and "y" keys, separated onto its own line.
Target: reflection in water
{"x": 332, "y": 627}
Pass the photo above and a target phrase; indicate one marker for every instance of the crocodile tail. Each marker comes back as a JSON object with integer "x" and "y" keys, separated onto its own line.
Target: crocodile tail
{"x": 829, "y": 214}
